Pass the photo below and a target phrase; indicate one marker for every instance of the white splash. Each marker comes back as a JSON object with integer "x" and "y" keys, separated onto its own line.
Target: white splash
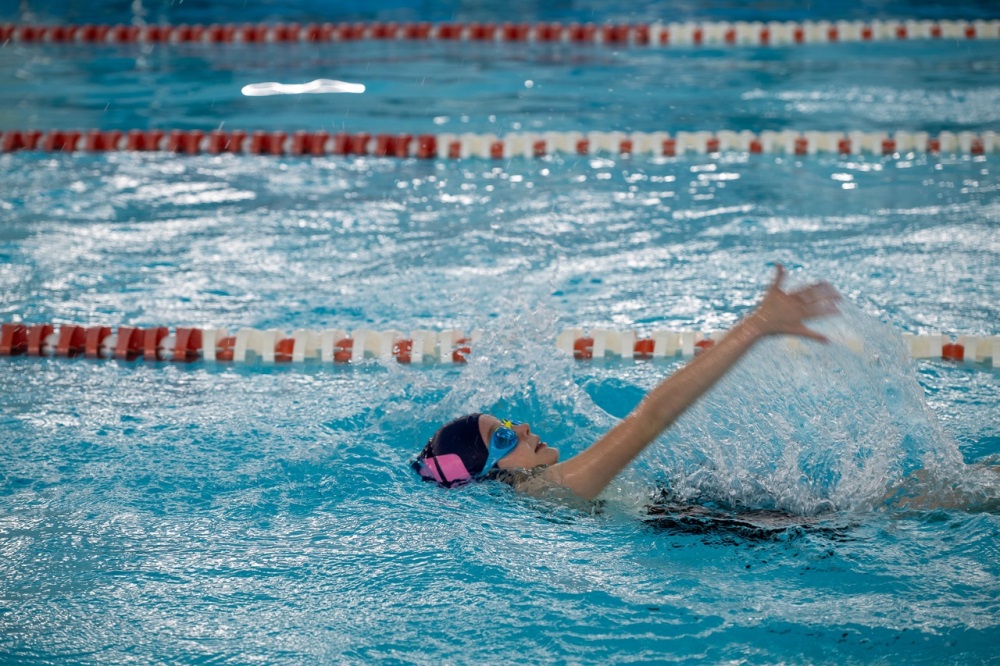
{"x": 313, "y": 87}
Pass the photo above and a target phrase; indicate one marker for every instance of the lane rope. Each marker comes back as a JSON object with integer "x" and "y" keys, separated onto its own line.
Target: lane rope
{"x": 339, "y": 346}
{"x": 490, "y": 146}
{"x": 657, "y": 34}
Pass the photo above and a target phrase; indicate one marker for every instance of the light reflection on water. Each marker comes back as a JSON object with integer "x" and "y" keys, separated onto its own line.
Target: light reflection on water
{"x": 268, "y": 514}
{"x": 356, "y": 242}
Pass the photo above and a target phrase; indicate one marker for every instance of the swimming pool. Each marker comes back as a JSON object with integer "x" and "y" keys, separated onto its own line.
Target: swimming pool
{"x": 253, "y": 512}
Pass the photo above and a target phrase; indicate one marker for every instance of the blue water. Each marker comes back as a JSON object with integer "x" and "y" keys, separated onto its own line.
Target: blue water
{"x": 194, "y": 513}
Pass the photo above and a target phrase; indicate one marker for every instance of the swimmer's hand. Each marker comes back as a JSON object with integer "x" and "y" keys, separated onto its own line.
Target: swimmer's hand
{"x": 785, "y": 313}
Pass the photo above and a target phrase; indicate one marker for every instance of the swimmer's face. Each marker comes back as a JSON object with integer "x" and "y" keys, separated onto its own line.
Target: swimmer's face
{"x": 530, "y": 451}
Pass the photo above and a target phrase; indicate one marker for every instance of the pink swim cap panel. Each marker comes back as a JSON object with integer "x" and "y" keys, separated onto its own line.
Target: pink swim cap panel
{"x": 445, "y": 469}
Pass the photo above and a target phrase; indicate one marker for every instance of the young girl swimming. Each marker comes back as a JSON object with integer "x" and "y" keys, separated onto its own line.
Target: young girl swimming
{"x": 481, "y": 446}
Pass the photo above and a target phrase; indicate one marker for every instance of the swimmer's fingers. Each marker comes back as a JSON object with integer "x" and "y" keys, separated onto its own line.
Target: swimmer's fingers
{"x": 818, "y": 300}
{"x": 779, "y": 277}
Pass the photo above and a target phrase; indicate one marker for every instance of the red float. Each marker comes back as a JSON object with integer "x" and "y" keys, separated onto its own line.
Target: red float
{"x": 218, "y": 141}
{"x": 644, "y": 348}
{"x": 221, "y": 34}
{"x": 403, "y": 350}
{"x": 582, "y": 32}
{"x": 12, "y": 140}
{"x": 583, "y": 348}
{"x": 286, "y": 32}
{"x": 343, "y": 350}
{"x": 449, "y": 31}
{"x": 615, "y": 34}
{"x": 62, "y": 34}
{"x": 403, "y": 142}
{"x": 94, "y": 33}
{"x": 953, "y": 352}
{"x": 72, "y": 340}
{"x": 129, "y": 343}
{"x": 224, "y": 349}
{"x": 341, "y": 143}
{"x": 283, "y": 350}
{"x": 462, "y": 350}
{"x": 95, "y": 336}
{"x": 358, "y": 144}
{"x": 124, "y": 34}
{"x": 548, "y": 32}
{"x": 36, "y": 337}
{"x": 13, "y": 340}
{"x": 514, "y": 32}
{"x": 703, "y": 345}
{"x": 187, "y": 344}
{"x": 158, "y": 33}
{"x": 426, "y": 146}
{"x": 384, "y": 30}
{"x": 483, "y": 32}
{"x": 385, "y": 145}
{"x": 416, "y": 30}
{"x": 151, "y": 338}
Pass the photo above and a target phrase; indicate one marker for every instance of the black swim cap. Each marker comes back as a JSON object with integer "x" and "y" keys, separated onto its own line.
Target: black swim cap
{"x": 455, "y": 454}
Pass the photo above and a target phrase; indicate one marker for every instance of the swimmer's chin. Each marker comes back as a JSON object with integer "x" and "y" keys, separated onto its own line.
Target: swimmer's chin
{"x": 550, "y": 454}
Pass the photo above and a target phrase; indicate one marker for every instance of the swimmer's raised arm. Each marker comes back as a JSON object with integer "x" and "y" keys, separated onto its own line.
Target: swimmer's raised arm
{"x": 779, "y": 313}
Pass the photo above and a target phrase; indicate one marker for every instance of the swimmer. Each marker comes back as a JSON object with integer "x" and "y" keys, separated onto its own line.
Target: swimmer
{"x": 480, "y": 446}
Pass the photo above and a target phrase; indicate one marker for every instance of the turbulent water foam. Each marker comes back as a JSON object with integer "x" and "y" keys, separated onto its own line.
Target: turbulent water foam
{"x": 805, "y": 428}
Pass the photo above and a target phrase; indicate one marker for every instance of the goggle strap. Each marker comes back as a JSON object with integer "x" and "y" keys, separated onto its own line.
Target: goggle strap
{"x": 444, "y": 479}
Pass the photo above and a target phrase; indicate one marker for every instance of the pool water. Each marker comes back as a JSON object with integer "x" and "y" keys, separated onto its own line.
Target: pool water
{"x": 156, "y": 512}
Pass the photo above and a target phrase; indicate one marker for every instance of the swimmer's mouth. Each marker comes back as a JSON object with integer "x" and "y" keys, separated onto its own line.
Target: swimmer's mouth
{"x": 540, "y": 446}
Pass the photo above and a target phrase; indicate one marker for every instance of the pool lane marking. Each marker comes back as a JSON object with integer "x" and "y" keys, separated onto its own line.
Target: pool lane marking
{"x": 616, "y": 35}
{"x": 490, "y": 146}
{"x": 340, "y": 346}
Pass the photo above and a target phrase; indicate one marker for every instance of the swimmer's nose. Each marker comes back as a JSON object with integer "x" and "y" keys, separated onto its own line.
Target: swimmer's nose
{"x": 522, "y": 429}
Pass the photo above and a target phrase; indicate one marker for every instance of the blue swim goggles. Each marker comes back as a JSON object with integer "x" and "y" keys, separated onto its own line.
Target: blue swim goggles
{"x": 503, "y": 441}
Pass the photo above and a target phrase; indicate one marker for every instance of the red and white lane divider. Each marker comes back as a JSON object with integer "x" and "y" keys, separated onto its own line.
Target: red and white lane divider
{"x": 158, "y": 343}
{"x": 604, "y": 343}
{"x": 658, "y": 34}
{"x": 491, "y": 146}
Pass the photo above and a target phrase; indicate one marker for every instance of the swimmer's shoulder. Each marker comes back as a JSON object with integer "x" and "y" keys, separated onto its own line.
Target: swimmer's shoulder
{"x": 540, "y": 482}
